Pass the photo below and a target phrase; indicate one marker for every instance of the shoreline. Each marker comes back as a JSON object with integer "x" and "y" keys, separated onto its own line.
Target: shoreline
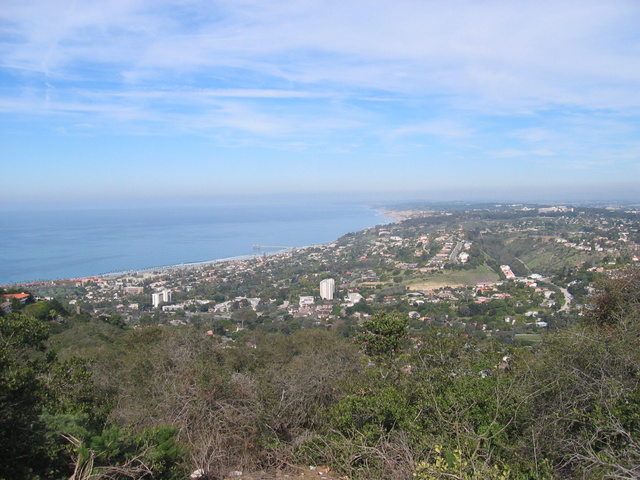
{"x": 396, "y": 215}
{"x": 158, "y": 269}
{"x": 186, "y": 266}
{"x": 385, "y": 216}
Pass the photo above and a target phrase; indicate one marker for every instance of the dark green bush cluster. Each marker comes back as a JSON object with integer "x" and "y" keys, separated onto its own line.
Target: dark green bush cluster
{"x": 101, "y": 401}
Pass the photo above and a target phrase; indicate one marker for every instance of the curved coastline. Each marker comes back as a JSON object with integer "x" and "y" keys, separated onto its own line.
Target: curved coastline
{"x": 382, "y": 216}
{"x": 189, "y": 265}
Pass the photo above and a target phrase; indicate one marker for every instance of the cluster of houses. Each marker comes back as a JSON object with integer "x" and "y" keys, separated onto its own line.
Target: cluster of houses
{"x": 8, "y": 301}
{"x": 453, "y": 250}
{"x": 387, "y": 249}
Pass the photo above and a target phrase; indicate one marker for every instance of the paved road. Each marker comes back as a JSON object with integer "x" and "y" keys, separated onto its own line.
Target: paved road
{"x": 453, "y": 258}
{"x": 568, "y": 298}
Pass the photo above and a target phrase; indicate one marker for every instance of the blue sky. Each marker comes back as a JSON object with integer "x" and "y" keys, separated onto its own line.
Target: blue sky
{"x": 156, "y": 100}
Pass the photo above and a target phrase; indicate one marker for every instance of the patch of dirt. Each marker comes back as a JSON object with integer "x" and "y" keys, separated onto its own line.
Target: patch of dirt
{"x": 296, "y": 473}
{"x": 433, "y": 285}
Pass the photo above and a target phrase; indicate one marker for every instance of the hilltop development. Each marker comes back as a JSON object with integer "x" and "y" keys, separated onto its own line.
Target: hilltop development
{"x": 460, "y": 341}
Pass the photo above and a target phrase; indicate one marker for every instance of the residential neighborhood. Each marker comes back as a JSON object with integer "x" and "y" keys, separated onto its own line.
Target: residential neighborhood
{"x": 506, "y": 271}
{"x": 475, "y": 330}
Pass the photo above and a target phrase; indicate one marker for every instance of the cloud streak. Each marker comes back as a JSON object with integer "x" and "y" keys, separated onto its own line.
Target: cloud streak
{"x": 538, "y": 52}
{"x": 492, "y": 81}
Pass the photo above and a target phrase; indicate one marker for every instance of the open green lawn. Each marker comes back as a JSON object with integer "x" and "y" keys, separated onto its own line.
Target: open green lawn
{"x": 452, "y": 278}
{"x": 549, "y": 258}
{"x": 529, "y": 337}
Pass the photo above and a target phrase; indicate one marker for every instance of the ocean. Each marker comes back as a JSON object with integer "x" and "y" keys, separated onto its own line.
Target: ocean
{"x": 50, "y": 245}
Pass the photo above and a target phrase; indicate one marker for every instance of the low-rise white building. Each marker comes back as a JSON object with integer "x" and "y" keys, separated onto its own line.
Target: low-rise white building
{"x": 160, "y": 297}
{"x": 307, "y": 300}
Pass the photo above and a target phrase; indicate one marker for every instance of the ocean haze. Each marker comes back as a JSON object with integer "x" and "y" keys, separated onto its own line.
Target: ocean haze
{"x": 58, "y": 244}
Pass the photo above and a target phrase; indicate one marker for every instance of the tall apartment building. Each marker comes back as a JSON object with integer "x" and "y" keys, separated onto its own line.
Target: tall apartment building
{"x": 327, "y": 289}
{"x": 160, "y": 297}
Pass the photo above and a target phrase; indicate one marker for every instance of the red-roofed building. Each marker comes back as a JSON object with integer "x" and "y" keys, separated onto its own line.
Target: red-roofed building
{"x": 21, "y": 297}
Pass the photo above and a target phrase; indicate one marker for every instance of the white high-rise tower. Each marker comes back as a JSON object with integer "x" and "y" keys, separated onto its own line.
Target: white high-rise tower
{"x": 327, "y": 289}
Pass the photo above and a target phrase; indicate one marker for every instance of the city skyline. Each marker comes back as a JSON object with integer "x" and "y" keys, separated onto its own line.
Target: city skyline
{"x": 164, "y": 101}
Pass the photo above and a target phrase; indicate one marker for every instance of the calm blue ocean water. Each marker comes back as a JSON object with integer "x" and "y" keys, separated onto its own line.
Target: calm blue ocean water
{"x": 68, "y": 244}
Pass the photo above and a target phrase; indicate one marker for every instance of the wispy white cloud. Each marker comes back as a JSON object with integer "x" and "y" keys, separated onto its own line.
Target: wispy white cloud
{"x": 542, "y": 81}
{"x": 512, "y": 153}
{"x": 585, "y": 164}
{"x": 540, "y": 52}
{"x": 198, "y": 94}
{"x": 439, "y": 128}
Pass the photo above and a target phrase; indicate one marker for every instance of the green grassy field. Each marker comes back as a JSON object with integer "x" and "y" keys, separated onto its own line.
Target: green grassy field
{"x": 453, "y": 278}
{"x": 549, "y": 257}
{"x": 528, "y": 338}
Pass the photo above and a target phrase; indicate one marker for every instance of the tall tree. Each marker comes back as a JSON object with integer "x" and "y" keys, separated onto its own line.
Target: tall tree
{"x": 21, "y": 430}
{"x": 382, "y": 336}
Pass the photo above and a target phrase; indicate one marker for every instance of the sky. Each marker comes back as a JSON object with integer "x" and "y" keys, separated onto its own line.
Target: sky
{"x": 179, "y": 100}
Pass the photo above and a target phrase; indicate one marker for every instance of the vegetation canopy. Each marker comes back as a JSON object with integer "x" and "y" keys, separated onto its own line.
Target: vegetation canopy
{"x": 531, "y": 377}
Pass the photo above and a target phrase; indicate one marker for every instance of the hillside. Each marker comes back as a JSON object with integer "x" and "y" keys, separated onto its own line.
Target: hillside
{"x": 430, "y": 362}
